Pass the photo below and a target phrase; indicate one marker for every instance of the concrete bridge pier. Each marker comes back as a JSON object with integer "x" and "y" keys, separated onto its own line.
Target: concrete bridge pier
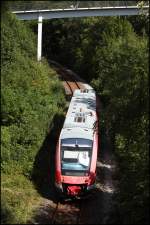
{"x": 39, "y": 43}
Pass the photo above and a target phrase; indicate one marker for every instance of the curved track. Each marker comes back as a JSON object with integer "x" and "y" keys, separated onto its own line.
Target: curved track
{"x": 69, "y": 80}
{"x": 98, "y": 208}
{"x": 71, "y": 210}
{"x": 68, "y": 83}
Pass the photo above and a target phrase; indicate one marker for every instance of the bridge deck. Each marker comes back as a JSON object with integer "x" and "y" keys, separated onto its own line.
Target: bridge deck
{"x": 81, "y": 12}
{"x": 40, "y": 15}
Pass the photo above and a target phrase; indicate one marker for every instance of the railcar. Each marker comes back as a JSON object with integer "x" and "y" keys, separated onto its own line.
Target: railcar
{"x": 77, "y": 147}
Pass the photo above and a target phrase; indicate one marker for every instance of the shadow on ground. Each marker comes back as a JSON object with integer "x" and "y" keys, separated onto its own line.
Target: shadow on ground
{"x": 43, "y": 174}
{"x": 94, "y": 210}
{"x": 6, "y": 214}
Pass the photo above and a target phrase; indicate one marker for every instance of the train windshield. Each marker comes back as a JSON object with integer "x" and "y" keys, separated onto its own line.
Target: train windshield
{"x": 76, "y": 156}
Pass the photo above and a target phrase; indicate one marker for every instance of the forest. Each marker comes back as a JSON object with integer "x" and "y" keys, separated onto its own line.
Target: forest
{"x": 28, "y": 5}
{"x": 31, "y": 96}
{"x": 112, "y": 54}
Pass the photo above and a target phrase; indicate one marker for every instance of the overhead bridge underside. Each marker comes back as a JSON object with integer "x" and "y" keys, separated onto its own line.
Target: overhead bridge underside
{"x": 41, "y": 15}
{"x": 81, "y": 12}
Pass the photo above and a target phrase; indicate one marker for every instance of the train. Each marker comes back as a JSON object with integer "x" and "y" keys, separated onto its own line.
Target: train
{"x": 77, "y": 146}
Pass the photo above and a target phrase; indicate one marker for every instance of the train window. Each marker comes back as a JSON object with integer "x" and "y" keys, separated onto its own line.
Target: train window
{"x": 73, "y": 165}
{"x": 82, "y": 142}
{"x": 75, "y": 160}
{"x": 76, "y": 156}
{"x": 70, "y": 156}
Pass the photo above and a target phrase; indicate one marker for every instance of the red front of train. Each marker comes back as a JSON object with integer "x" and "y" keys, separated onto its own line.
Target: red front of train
{"x": 71, "y": 181}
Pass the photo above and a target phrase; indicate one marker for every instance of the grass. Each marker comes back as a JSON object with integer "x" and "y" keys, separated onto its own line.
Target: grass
{"x": 19, "y": 198}
{"x": 22, "y": 195}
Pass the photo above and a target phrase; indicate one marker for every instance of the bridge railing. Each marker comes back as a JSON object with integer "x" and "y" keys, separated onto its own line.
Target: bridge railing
{"x": 39, "y": 5}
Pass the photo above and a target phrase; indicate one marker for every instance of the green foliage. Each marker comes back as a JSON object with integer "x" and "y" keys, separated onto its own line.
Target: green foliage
{"x": 112, "y": 54}
{"x": 31, "y": 96}
{"x": 122, "y": 81}
{"x": 19, "y": 198}
{"x": 28, "y": 5}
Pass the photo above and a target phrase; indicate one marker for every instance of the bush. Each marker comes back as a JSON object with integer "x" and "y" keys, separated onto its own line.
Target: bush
{"x": 31, "y": 96}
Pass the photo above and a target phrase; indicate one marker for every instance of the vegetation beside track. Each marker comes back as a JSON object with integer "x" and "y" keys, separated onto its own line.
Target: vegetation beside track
{"x": 112, "y": 54}
{"x": 32, "y": 96}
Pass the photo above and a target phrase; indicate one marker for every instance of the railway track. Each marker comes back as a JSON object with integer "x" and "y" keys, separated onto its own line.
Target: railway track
{"x": 95, "y": 209}
{"x": 70, "y": 212}
{"x": 70, "y": 82}
{"x": 67, "y": 213}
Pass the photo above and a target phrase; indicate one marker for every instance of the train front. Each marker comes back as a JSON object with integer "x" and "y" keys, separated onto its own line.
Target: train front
{"x": 76, "y": 152}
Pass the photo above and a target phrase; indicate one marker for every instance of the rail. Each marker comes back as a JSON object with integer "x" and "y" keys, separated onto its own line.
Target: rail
{"x": 71, "y": 211}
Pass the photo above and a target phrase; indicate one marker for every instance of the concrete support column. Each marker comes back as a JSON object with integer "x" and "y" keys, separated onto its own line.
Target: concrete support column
{"x": 39, "y": 45}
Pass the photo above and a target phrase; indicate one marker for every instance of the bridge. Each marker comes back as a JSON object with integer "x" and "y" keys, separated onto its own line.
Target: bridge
{"x": 75, "y": 12}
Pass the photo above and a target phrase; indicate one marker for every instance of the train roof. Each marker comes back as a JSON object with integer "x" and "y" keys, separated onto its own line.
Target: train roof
{"x": 81, "y": 115}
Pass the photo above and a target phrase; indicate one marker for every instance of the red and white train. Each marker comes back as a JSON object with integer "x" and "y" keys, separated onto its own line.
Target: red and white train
{"x": 77, "y": 147}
